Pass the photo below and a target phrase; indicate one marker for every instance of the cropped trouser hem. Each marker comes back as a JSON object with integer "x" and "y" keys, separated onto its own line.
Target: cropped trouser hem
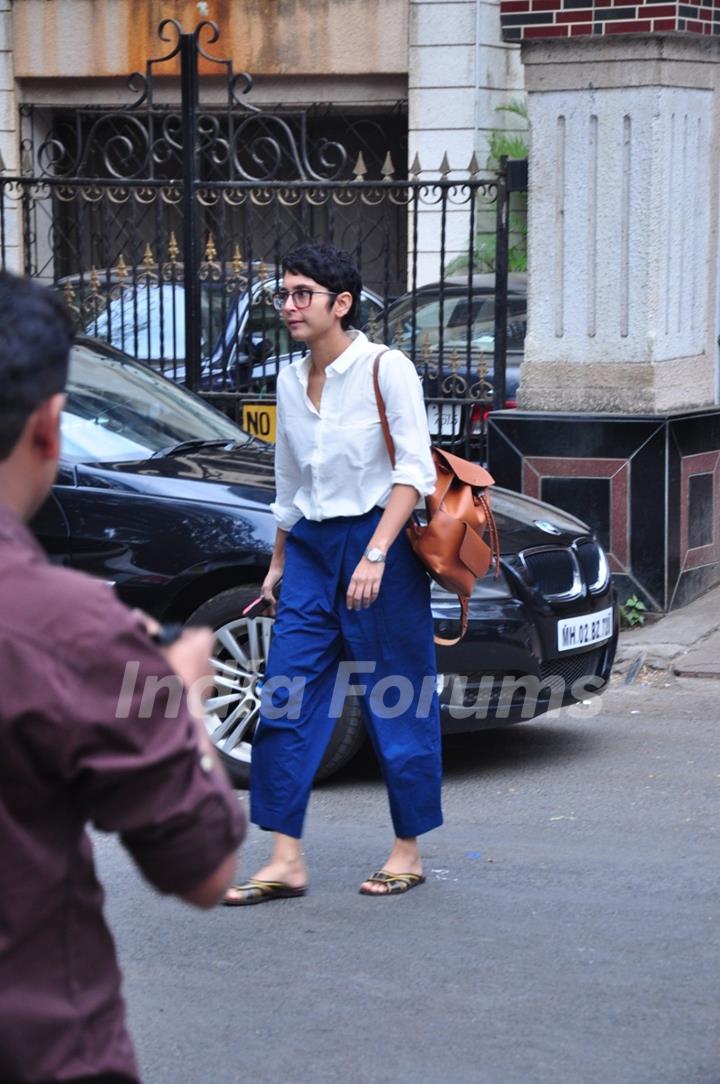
{"x": 273, "y": 821}
{"x": 408, "y": 828}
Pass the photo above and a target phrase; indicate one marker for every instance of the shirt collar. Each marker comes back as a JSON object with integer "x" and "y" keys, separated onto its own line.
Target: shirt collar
{"x": 357, "y": 346}
{"x": 351, "y": 353}
{"x": 14, "y": 530}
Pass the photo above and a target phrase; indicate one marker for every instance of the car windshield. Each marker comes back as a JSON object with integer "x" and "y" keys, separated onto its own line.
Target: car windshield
{"x": 147, "y": 321}
{"x": 456, "y": 314}
{"x": 117, "y": 410}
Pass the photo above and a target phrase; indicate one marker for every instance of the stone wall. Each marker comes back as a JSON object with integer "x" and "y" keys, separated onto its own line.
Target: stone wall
{"x": 8, "y": 134}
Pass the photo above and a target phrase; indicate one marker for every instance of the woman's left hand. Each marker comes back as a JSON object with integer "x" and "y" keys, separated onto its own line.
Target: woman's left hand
{"x": 364, "y": 587}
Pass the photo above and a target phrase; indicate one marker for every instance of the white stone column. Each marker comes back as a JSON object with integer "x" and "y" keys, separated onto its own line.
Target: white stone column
{"x": 623, "y": 217}
{"x": 9, "y": 135}
{"x": 459, "y": 71}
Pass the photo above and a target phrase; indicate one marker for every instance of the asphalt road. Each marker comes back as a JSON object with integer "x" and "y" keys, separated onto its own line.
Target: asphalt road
{"x": 568, "y": 932}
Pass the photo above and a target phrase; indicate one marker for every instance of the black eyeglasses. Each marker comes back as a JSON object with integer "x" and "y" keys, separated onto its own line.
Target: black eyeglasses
{"x": 301, "y": 297}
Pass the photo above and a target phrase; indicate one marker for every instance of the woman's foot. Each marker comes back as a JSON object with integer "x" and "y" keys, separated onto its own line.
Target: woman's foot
{"x": 404, "y": 858}
{"x": 286, "y": 867}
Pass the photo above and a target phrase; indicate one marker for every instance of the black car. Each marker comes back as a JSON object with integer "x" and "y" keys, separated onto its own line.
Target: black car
{"x": 167, "y": 499}
{"x": 243, "y": 342}
{"x": 448, "y": 330}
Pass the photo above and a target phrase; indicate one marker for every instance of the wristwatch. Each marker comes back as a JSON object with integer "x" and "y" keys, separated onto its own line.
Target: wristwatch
{"x": 374, "y": 555}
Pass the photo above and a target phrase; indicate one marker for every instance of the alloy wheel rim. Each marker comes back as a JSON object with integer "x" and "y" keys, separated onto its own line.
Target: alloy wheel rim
{"x": 238, "y": 660}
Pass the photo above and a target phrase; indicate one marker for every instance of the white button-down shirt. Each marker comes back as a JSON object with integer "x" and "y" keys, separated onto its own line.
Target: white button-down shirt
{"x": 333, "y": 461}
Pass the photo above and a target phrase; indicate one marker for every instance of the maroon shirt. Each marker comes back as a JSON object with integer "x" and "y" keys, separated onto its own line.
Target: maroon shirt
{"x": 66, "y": 760}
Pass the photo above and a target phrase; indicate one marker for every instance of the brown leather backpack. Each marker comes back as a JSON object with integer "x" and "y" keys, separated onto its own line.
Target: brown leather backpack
{"x": 451, "y": 545}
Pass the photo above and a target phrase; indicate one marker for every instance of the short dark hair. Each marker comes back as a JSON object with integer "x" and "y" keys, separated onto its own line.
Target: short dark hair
{"x": 331, "y": 267}
{"x": 36, "y": 333}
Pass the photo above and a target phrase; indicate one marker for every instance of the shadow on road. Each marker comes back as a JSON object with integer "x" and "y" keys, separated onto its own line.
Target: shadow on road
{"x": 488, "y": 751}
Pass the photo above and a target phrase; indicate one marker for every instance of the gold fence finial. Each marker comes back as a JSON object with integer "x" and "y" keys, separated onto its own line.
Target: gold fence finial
{"x": 444, "y": 166}
{"x": 173, "y": 247}
{"x": 482, "y": 368}
{"x": 388, "y": 169}
{"x": 148, "y": 259}
{"x": 121, "y": 268}
{"x": 237, "y": 262}
{"x": 415, "y": 168}
{"x": 474, "y": 167}
{"x": 210, "y": 250}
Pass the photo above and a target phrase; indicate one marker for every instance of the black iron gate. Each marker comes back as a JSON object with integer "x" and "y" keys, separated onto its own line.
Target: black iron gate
{"x": 169, "y": 247}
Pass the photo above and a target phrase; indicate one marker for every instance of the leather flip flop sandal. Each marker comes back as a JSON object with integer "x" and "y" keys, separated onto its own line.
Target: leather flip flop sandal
{"x": 396, "y": 883}
{"x": 255, "y": 891}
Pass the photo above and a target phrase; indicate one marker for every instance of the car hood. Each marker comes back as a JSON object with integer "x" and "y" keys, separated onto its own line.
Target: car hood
{"x": 524, "y": 522}
{"x": 244, "y": 477}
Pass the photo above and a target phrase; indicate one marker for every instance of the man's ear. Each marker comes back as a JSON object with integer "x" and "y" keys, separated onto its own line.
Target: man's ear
{"x": 44, "y": 427}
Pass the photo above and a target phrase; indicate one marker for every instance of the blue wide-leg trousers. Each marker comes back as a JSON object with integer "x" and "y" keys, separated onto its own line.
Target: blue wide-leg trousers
{"x": 320, "y": 650}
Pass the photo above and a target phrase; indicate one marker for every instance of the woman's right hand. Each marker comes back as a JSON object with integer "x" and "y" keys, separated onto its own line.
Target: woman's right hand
{"x": 274, "y": 575}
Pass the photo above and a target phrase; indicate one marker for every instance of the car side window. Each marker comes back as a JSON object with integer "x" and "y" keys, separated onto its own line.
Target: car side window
{"x": 427, "y": 319}
{"x": 263, "y": 323}
{"x": 517, "y": 323}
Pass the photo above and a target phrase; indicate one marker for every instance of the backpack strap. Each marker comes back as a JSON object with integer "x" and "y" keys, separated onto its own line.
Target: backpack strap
{"x": 463, "y": 600}
{"x": 389, "y": 442}
{"x": 390, "y": 445}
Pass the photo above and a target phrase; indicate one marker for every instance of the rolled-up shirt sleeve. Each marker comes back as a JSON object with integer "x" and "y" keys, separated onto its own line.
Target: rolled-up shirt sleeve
{"x": 120, "y": 734}
{"x": 287, "y": 475}
{"x": 405, "y": 408}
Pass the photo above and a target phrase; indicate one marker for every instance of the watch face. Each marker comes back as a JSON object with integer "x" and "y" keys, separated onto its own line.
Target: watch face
{"x": 375, "y": 555}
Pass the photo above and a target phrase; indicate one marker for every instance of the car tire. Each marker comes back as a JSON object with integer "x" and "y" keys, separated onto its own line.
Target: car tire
{"x": 238, "y": 661}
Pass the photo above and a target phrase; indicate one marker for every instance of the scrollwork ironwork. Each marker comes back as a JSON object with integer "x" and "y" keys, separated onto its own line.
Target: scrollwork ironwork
{"x": 104, "y": 201}
{"x": 240, "y": 142}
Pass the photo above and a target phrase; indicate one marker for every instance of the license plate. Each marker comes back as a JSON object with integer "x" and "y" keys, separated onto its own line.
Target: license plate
{"x": 444, "y": 420}
{"x": 259, "y": 419}
{"x": 574, "y": 632}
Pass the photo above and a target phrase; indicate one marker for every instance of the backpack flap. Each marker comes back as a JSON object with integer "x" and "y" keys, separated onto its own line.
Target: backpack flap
{"x": 470, "y": 473}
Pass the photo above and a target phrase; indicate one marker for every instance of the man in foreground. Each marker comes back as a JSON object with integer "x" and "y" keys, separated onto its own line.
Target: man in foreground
{"x": 66, "y": 760}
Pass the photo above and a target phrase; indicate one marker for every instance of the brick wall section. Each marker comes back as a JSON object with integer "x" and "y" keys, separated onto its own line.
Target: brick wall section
{"x": 523, "y": 20}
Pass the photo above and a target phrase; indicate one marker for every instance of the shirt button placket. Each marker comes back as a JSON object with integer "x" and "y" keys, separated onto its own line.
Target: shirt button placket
{"x": 321, "y": 446}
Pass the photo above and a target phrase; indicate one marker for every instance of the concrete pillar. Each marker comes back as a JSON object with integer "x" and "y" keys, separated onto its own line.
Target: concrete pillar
{"x": 619, "y": 420}
{"x": 623, "y": 215}
{"x": 459, "y": 71}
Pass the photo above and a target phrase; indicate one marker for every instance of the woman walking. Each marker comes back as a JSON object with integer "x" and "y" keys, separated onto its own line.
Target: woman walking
{"x": 355, "y": 604}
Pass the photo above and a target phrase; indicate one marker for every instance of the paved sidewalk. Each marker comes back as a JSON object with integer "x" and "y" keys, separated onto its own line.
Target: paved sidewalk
{"x": 686, "y": 641}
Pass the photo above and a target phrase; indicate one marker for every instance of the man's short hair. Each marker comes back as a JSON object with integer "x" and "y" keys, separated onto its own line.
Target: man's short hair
{"x": 36, "y": 333}
{"x": 332, "y": 268}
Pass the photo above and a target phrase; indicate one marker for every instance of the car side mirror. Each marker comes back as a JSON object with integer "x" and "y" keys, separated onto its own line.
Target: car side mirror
{"x": 257, "y": 348}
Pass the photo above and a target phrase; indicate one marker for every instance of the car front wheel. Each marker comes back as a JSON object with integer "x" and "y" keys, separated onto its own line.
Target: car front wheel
{"x": 239, "y": 656}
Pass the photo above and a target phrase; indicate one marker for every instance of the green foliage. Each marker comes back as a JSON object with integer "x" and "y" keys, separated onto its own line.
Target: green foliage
{"x": 501, "y": 144}
{"x": 516, "y": 106}
{"x": 632, "y": 612}
{"x": 504, "y": 144}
